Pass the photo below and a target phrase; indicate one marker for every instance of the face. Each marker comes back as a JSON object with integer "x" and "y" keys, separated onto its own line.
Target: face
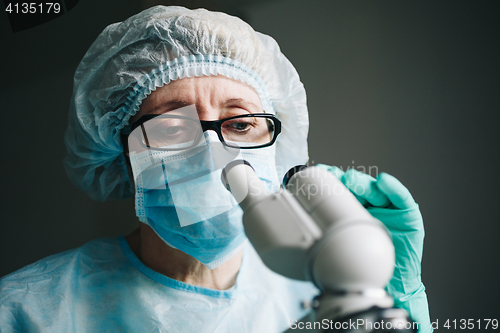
{"x": 215, "y": 97}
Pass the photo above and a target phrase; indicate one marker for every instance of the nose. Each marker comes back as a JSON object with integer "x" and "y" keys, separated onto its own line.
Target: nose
{"x": 220, "y": 155}
{"x": 212, "y": 137}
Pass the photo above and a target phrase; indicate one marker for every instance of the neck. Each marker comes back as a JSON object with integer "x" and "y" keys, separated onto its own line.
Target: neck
{"x": 175, "y": 264}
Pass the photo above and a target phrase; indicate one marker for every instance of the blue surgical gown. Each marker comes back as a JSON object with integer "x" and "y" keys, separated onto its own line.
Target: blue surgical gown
{"x": 103, "y": 287}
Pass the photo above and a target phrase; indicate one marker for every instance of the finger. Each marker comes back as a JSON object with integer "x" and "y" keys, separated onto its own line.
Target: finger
{"x": 339, "y": 173}
{"x": 364, "y": 186}
{"x": 397, "y": 193}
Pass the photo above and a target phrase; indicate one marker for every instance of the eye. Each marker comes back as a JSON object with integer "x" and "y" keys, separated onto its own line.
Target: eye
{"x": 240, "y": 126}
{"x": 171, "y": 130}
{"x": 169, "y": 126}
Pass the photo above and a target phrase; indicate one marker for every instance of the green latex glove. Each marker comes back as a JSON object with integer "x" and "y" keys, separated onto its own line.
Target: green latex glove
{"x": 390, "y": 201}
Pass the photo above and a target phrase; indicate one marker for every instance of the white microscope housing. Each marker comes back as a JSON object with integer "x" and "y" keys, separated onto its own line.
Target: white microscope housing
{"x": 316, "y": 230}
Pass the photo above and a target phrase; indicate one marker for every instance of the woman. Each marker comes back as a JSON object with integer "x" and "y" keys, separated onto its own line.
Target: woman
{"x": 161, "y": 102}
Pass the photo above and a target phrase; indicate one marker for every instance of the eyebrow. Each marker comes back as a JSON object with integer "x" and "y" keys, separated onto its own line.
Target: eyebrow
{"x": 176, "y": 104}
{"x": 170, "y": 105}
{"x": 242, "y": 101}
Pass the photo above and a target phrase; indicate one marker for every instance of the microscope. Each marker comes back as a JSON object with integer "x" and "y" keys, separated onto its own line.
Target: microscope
{"x": 314, "y": 229}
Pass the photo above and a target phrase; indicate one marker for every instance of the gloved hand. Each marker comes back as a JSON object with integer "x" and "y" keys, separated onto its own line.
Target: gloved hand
{"x": 390, "y": 201}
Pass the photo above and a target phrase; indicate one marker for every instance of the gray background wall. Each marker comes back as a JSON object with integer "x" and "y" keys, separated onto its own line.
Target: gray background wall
{"x": 409, "y": 87}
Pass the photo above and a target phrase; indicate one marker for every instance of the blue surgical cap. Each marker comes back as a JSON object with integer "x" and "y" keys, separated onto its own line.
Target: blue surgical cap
{"x": 132, "y": 58}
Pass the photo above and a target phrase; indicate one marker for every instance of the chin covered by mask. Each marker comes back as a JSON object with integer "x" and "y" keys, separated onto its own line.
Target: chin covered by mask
{"x": 179, "y": 194}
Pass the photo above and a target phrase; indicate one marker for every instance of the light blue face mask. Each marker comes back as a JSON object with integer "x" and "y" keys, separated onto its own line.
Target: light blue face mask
{"x": 181, "y": 197}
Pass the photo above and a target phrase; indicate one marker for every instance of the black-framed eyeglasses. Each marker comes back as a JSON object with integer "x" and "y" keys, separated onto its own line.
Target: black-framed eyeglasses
{"x": 171, "y": 132}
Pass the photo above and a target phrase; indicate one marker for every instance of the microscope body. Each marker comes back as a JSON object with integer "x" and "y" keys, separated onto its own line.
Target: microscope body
{"x": 316, "y": 230}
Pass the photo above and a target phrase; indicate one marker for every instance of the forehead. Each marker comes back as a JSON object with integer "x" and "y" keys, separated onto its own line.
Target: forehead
{"x": 203, "y": 91}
